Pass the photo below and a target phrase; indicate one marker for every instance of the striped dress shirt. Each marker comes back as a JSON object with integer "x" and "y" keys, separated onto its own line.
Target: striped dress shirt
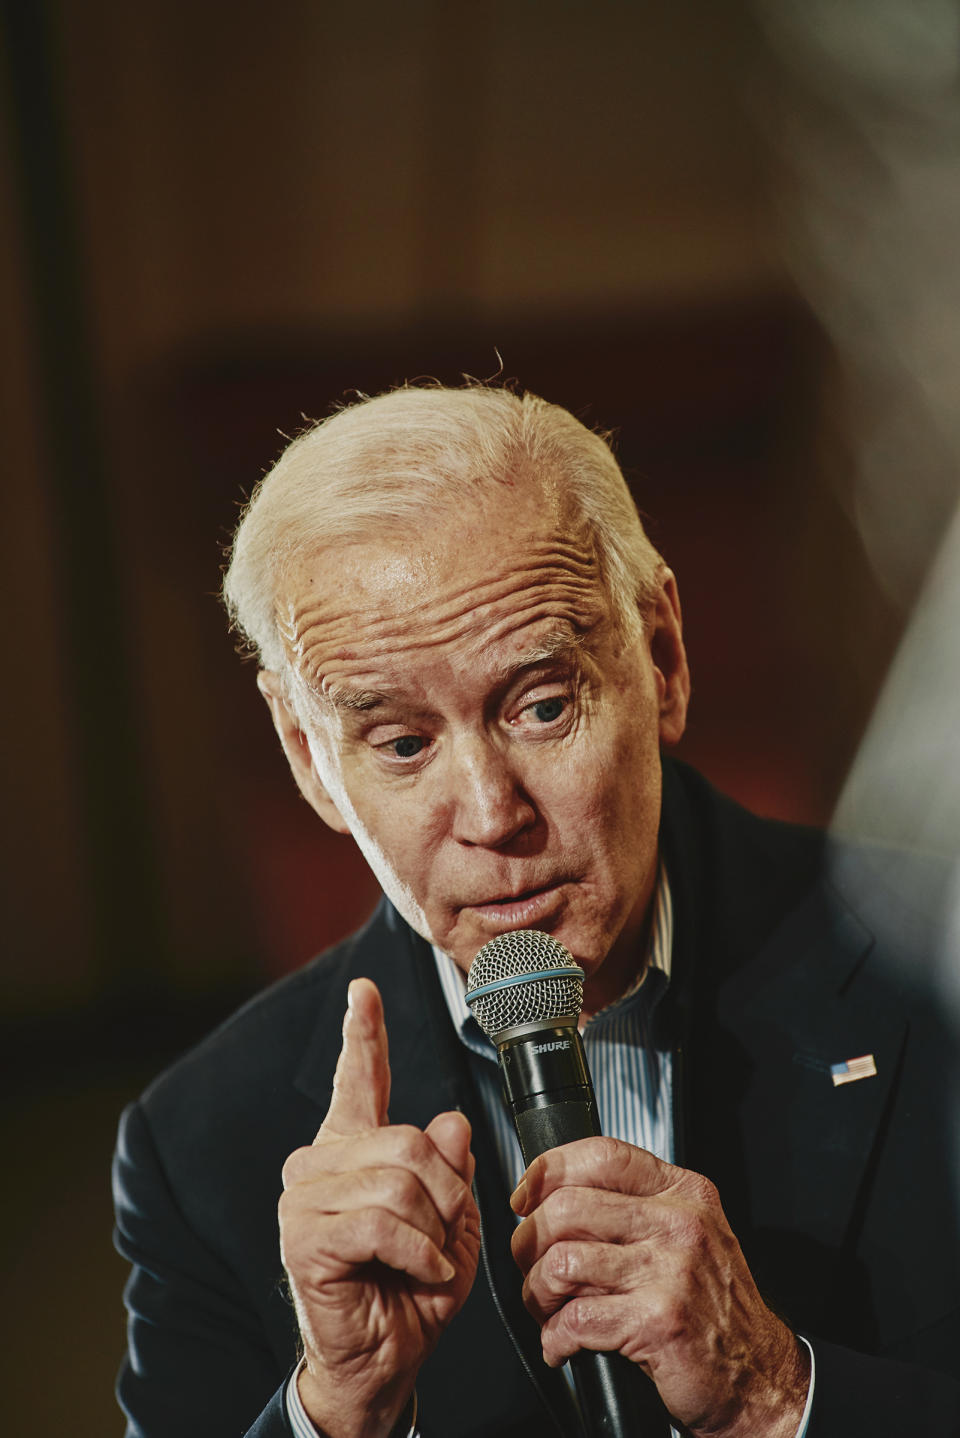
{"x": 631, "y": 1066}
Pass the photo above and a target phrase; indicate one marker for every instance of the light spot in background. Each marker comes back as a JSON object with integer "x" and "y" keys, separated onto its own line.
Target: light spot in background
{"x": 867, "y": 128}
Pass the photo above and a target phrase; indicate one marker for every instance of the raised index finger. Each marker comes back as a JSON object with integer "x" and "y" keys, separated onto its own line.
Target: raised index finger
{"x": 361, "y": 1084}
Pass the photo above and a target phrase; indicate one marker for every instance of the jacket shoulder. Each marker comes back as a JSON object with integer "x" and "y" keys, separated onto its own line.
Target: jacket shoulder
{"x": 240, "y": 1078}
{"x": 752, "y": 875}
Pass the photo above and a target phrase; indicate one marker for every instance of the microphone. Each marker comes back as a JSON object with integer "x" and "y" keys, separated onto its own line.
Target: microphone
{"x": 526, "y": 992}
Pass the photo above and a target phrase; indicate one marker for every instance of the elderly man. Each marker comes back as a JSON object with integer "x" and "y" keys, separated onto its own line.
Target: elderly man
{"x": 472, "y": 656}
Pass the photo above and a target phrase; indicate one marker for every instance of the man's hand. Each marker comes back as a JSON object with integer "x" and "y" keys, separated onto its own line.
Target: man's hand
{"x": 622, "y": 1252}
{"x": 380, "y": 1236}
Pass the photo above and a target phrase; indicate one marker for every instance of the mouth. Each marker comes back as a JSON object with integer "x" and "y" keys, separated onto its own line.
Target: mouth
{"x": 522, "y": 910}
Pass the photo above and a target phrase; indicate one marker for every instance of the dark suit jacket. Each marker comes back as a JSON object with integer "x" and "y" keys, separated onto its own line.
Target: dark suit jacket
{"x": 788, "y": 956}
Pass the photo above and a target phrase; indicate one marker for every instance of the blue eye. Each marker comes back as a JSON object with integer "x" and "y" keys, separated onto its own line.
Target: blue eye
{"x": 407, "y": 747}
{"x": 547, "y": 710}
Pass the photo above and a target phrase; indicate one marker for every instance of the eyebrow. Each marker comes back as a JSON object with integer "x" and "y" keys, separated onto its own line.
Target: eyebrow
{"x": 557, "y": 644}
{"x": 355, "y": 701}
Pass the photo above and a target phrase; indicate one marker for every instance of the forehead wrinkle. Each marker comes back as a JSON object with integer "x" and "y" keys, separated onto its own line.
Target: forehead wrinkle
{"x": 323, "y": 640}
{"x": 554, "y": 555}
{"x": 562, "y": 641}
{"x": 444, "y": 620}
{"x": 572, "y": 600}
{"x": 351, "y": 642}
{"x": 553, "y": 563}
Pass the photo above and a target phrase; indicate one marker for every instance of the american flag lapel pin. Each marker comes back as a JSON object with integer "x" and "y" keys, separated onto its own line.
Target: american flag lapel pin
{"x": 850, "y": 1070}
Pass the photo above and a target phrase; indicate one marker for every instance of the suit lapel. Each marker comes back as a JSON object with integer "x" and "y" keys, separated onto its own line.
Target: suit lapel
{"x": 383, "y": 952}
{"x": 809, "y": 1001}
{"x": 775, "y": 979}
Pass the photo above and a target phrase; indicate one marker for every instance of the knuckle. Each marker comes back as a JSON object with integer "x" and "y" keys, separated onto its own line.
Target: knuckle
{"x": 613, "y": 1154}
{"x": 702, "y": 1190}
{"x": 295, "y": 1166}
{"x": 288, "y": 1213}
{"x": 561, "y": 1209}
{"x": 666, "y": 1319}
{"x": 693, "y": 1235}
{"x": 401, "y": 1187}
{"x": 377, "y": 1222}
{"x": 578, "y": 1317}
{"x": 562, "y": 1264}
{"x": 411, "y": 1143}
{"x": 607, "y": 1148}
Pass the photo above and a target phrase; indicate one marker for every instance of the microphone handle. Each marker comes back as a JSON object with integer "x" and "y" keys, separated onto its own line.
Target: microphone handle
{"x": 550, "y": 1094}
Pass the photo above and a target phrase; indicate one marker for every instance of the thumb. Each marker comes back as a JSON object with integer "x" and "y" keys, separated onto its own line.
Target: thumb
{"x": 450, "y": 1133}
{"x": 361, "y": 1084}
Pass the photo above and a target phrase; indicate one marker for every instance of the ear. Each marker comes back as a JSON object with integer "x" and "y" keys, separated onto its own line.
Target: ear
{"x": 297, "y": 750}
{"x": 670, "y": 660}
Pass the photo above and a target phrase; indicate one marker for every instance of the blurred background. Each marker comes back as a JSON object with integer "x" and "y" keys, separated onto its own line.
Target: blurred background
{"x": 728, "y": 232}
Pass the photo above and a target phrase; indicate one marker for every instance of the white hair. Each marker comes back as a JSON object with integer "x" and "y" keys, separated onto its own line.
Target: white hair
{"x": 390, "y": 462}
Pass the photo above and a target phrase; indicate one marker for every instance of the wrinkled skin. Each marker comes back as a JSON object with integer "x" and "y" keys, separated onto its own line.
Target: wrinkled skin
{"x": 380, "y": 1236}
{"x": 479, "y": 721}
{"x": 622, "y": 1252}
{"x": 471, "y": 710}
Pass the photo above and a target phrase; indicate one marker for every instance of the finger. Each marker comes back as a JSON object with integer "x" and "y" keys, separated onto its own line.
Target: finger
{"x": 396, "y": 1190}
{"x": 394, "y": 1146}
{"x": 450, "y": 1134}
{"x": 604, "y": 1323}
{"x": 588, "y": 1214}
{"x": 332, "y": 1247}
{"x": 604, "y": 1163}
{"x": 361, "y": 1084}
{"x": 569, "y": 1270}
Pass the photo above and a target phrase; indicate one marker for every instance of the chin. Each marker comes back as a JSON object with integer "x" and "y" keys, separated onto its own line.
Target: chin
{"x": 587, "y": 949}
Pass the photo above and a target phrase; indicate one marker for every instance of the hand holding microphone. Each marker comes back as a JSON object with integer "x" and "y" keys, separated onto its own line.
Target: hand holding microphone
{"x": 526, "y": 993}
{"x": 630, "y": 1266}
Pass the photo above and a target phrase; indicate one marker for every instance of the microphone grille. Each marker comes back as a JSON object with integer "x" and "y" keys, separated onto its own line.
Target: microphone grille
{"x": 503, "y": 969}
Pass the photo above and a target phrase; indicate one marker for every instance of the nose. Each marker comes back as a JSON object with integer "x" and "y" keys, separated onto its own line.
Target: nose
{"x": 490, "y": 805}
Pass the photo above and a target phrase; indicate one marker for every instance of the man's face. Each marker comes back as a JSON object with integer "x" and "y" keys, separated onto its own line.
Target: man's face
{"x": 484, "y": 729}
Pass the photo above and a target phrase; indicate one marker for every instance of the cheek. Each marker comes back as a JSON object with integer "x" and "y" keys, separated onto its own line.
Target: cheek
{"x": 399, "y": 856}
{"x": 387, "y": 819}
{"x": 583, "y": 802}
{"x": 616, "y": 794}
{"x": 620, "y": 761}
{"x": 394, "y": 828}
{"x": 636, "y": 729}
